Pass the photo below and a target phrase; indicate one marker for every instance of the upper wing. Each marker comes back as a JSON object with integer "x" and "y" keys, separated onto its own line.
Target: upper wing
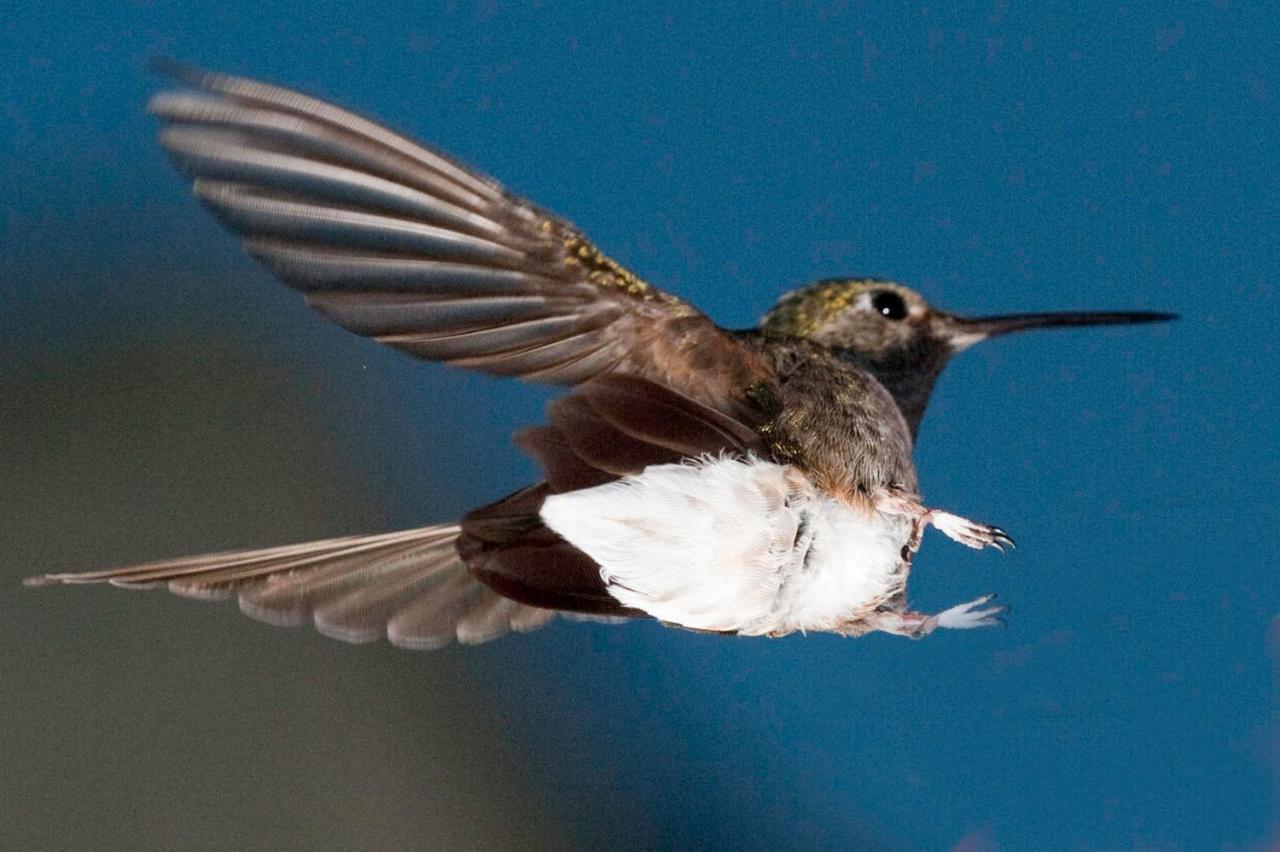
{"x": 400, "y": 243}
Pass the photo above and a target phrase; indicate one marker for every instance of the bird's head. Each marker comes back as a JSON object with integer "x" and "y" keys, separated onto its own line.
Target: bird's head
{"x": 904, "y": 341}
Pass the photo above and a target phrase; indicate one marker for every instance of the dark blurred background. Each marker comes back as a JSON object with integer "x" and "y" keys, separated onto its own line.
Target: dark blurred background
{"x": 160, "y": 395}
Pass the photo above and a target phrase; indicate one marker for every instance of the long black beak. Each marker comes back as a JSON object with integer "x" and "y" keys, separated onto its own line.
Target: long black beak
{"x": 966, "y": 331}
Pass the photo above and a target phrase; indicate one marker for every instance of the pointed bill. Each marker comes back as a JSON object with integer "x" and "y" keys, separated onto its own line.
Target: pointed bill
{"x": 963, "y": 332}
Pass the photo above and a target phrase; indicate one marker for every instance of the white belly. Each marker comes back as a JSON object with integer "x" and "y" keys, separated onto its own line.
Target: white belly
{"x": 734, "y": 544}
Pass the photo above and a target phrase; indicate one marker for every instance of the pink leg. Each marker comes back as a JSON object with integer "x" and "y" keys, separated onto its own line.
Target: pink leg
{"x": 969, "y": 533}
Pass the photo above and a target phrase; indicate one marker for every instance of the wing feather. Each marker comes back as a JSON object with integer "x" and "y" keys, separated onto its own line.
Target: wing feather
{"x": 249, "y": 212}
{"x": 233, "y": 156}
{"x": 282, "y": 130}
{"x": 313, "y": 268}
{"x": 239, "y": 90}
{"x": 375, "y": 313}
{"x": 595, "y": 435}
{"x": 396, "y": 241}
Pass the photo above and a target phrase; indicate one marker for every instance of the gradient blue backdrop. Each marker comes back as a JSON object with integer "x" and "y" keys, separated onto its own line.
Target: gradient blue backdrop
{"x": 999, "y": 159}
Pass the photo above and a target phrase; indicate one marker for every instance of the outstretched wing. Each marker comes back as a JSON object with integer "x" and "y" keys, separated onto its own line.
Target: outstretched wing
{"x": 398, "y": 242}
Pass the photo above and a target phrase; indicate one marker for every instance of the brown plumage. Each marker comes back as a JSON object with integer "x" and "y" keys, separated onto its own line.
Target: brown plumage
{"x": 400, "y": 243}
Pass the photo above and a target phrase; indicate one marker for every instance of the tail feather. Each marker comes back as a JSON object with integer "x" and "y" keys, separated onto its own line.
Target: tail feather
{"x": 488, "y": 615}
{"x": 346, "y": 566}
{"x": 410, "y": 586}
{"x": 431, "y": 621}
{"x": 362, "y": 613}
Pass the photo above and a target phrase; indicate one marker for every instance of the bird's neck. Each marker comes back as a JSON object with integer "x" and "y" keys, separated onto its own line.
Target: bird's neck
{"x": 909, "y": 379}
{"x": 909, "y": 383}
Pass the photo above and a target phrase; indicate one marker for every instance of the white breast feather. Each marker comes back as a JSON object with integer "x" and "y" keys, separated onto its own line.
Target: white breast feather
{"x": 732, "y": 544}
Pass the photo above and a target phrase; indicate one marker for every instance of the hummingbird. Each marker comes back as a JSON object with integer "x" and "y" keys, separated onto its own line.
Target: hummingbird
{"x": 756, "y": 482}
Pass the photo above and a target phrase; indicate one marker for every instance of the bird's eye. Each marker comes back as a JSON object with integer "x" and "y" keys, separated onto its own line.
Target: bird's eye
{"x": 889, "y": 305}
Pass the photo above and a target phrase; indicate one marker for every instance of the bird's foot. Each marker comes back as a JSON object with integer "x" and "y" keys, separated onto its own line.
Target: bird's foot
{"x": 974, "y": 613}
{"x": 965, "y": 616}
{"x": 969, "y": 533}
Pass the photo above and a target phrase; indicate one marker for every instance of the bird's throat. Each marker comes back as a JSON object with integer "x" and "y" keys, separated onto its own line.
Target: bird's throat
{"x": 910, "y": 384}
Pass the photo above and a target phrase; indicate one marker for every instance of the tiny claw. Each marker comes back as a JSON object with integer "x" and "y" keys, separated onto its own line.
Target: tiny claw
{"x": 1001, "y": 540}
{"x": 970, "y": 533}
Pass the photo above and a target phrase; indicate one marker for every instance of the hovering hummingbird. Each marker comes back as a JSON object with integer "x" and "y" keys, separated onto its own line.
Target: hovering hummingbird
{"x": 753, "y": 482}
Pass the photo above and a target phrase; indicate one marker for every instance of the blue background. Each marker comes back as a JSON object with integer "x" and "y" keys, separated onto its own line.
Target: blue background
{"x": 999, "y": 159}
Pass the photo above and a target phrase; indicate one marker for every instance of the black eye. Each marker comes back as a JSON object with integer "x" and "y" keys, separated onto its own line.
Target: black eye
{"x": 889, "y": 304}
